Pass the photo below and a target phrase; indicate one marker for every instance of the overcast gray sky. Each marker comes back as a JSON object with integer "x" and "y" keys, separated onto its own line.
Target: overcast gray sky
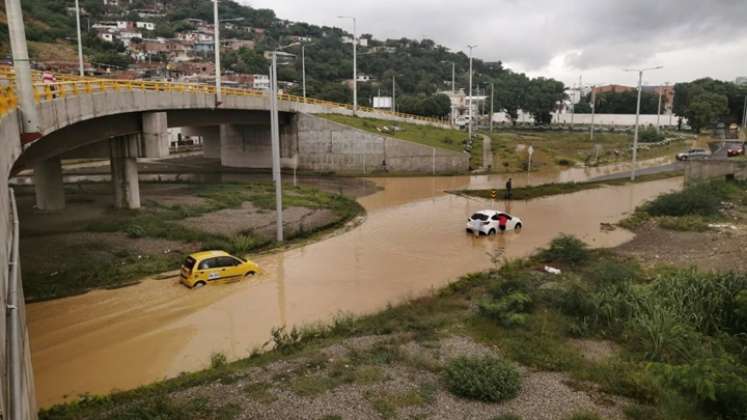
{"x": 560, "y": 39}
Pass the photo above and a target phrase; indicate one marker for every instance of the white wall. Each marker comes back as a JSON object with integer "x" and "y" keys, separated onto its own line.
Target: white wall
{"x": 599, "y": 119}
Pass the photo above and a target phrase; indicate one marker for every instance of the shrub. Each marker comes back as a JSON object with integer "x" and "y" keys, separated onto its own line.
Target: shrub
{"x": 740, "y": 312}
{"x": 611, "y": 272}
{"x": 689, "y": 223}
{"x": 485, "y": 379}
{"x": 718, "y": 384}
{"x": 135, "y": 231}
{"x": 509, "y": 309}
{"x": 217, "y": 360}
{"x": 650, "y": 135}
{"x": 701, "y": 199}
{"x": 565, "y": 249}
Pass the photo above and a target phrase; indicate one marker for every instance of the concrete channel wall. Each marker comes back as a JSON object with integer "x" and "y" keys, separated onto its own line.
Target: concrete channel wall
{"x": 703, "y": 170}
{"x": 327, "y": 146}
{"x": 10, "y": 149}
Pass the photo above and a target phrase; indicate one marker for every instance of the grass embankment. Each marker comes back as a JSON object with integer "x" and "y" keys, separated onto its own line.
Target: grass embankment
{"x": 678, "y": 345}
{"x": 694, "y": 208}
{"x": 101, "y": 265}
{"x": 444, "y": 138}
{"x": 557, "y": 149}
{"x": 545, "y": 190}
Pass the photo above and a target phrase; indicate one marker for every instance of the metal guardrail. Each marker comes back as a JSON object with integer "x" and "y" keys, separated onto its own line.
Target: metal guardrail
{"x": 70, "y": 85}
{"x": 15, "y": 341}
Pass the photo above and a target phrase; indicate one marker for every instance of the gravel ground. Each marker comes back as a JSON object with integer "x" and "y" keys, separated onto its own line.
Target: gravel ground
{"x": 402, "y": 389}
{"x": 721, "y": 250}
{"x": 233, "y": 221}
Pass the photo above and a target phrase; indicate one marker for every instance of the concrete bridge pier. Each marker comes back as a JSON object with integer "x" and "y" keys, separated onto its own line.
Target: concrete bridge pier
{"x": 48, "y": 185}
{"x": 155, "y": 134}
{"x": 125, "y": 183}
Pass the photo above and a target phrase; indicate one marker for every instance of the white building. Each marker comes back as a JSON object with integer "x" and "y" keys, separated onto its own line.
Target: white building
{"x": 148, "y": 26}
{"x": 106, "y": 36}
{"x": 260, "y": 81}
{"x": 347, "y": 39}
{"x": 460, "y": 103}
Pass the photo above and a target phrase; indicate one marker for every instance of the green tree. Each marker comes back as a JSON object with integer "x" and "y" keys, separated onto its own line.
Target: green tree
{"x": 706, "y": 108}
{"x": 542, "y": 96}
{"x": 245, "y": 61}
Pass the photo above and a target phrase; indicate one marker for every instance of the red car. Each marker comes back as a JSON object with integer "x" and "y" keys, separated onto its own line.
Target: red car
{"x": 735, "y": 150}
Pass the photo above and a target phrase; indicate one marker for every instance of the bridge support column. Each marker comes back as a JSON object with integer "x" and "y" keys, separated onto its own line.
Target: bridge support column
{"x": 123, "y": 155}
{"x": 210, "y": 139}
{"x": 155, "y": 134}
{"x": 48, "y": 185}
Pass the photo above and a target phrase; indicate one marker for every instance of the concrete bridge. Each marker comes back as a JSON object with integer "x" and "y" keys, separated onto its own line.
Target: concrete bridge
{"x": 125, "y": 120}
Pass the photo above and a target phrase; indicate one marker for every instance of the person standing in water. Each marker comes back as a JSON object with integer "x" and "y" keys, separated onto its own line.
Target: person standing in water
{"x": 509, "y": 186}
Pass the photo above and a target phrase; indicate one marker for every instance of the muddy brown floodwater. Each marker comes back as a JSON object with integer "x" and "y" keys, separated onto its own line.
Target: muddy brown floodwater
{"x": 413, "y": 241}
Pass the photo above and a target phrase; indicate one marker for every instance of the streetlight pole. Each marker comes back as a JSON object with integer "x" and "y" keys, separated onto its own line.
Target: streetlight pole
{"x": 394, "y": 93}
{"x": 80, "y": 41}
{"x": 275, "y": 143}
{"x": 218, "y": 95}
{"x": 355, "y": 63}
{"x": 22, "y": 67}
{"x": 593, "y": 109}
{"x": 470, "y": 89}
{"x": 453, "y": 78}
{"x": 637, "y": 115}
{"x": 492, "y": 94}
{"x": 303, "y": 69}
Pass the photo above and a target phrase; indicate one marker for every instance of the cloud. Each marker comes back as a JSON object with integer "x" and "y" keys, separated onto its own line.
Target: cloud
{"x": 533, "y": 34}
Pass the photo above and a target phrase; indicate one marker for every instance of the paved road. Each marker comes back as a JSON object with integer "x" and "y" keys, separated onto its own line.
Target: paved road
{"x": 487, "y": 153}
{"x": 674, "y": 166}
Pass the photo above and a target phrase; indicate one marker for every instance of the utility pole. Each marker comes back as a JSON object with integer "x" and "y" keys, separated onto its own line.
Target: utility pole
{"x": 394, "y": 93}
{"x": 218, "y": 95}
{"x": 453, "y": 78}
{"x": 470, "y": 89}
{"x": 80, "y": 41}
{"x": 637, "y": 115}
{"x": 744, "y": 118}
{"x": 275, "y": 139}
{"x": 658, "y": 111}
{"x": 22, "y": 67}
{"x": 492, "y": 94}
{"x": 355, "y": 63}
{"x": 593, "y": 108}
{"x": 303, "y": 69}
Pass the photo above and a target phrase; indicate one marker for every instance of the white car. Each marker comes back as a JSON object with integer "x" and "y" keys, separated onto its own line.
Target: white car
{"x": 487, "y": 222}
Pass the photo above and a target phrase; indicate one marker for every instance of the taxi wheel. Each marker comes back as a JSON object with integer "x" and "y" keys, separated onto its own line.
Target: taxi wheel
{"x": 491, "y": 232}
{"x": 249, "y": 275}
{"x": 517, "y": 228}
{"x": 198, "y": 284}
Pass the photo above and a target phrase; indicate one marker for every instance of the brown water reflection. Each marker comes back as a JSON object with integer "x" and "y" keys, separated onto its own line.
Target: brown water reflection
{"x": 413, "y": 241}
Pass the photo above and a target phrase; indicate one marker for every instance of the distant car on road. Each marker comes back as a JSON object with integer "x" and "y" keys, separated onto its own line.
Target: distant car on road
{"x": 734, "y": 149}
{"x": 693, "y": 154}
{"x": 488, "y": 222}
{"x": 215, "y": 267}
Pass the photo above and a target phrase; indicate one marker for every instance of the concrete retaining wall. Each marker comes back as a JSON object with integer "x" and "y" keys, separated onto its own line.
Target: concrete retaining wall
{"x": 10, "y": 149}
{"x": 704, "y": 170}
{"x": 327, "y": 146}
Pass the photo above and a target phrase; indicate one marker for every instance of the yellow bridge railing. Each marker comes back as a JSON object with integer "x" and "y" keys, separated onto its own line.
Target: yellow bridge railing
{"x": 70, "y": 85}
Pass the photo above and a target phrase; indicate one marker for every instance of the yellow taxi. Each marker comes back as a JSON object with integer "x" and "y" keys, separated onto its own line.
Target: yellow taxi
{"x": 215, "y": 267}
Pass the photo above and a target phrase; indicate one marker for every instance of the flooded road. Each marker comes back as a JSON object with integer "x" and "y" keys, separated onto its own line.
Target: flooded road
{"x": 412, "y": 242}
